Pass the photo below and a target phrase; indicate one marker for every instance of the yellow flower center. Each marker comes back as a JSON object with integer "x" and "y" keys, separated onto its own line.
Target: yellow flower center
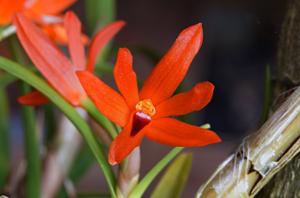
{"x": 146, "y": 106}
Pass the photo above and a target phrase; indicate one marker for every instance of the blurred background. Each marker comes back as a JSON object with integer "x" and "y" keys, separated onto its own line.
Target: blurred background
{"x": 240, "y": 40}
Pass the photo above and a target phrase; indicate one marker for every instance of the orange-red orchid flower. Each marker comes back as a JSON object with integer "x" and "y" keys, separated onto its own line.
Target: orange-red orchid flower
{"x": 147, "y": 113}
{"x": 44, "y": 12}
{"x": 50, "y": 61}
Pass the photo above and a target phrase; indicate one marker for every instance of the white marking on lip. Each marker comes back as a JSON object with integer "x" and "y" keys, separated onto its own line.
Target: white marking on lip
{"x": 143, "y": 115}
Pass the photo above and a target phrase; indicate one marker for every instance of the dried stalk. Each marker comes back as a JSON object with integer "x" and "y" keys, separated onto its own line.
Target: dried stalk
{"x": 286, "y": 183}
{"x": 260, "y": 156}
{"x": 129, "y": 173}
{"x": 265, "y": 153}
{"x": 60, "y": 159}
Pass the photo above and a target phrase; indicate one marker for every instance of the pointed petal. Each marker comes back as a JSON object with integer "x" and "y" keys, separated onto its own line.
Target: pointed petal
{"x": 125, "y": 77}
{"x": 170, "y": 71}
{"x": 100, "y": 40}
{"x": 33, "y": 98}
{"x": 55, "y": 67}
{"x": 76, "y": 48}
{"x": 8, "y": 9}
{"x": 175, "y": 133}
{"x": 187, "y": 102}
{"x": 107, "y": 100}
{"x": 124, "y": 143}
{"x": 58, "y": 34}
{"x": 50, "y": 7}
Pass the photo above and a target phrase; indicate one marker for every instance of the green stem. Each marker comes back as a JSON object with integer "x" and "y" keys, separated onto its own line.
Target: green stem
{"x": 100, "y": 118}
{"x": 16, "y": 50}
{"x": 99, "y": 13}
{"x": 4, "y": 138}
{"x": 104, "y": 68}
{"x": 33, "y": 168}
{"x": 6, "y": 79}
{"x": 42, "y": 86}
{"x": 139, "y": 189}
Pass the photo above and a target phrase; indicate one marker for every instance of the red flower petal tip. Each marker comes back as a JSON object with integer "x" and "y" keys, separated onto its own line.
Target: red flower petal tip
{"x": 112, "y": 160}
{"x": 34, "y": 98}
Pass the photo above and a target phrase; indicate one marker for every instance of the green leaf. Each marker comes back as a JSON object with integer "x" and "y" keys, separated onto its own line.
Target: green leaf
{"x": 4, "y": 138}
{"x": 42, "y": 86}
{"x": 139, "y": 189}
{"x": 32, "y": 151}
{"x": 6, "y": 79}
{"x": 172, "y": 183}
{"x": 99, "y": 13}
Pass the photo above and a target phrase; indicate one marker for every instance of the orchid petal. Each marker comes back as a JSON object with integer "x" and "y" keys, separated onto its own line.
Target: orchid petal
{"x": 187, "y": 102}
{"x": 49, "y": 7}
{"x": 34, "y": 98}
{"x": 172, "y": 68}
{"x": 124, "y": 143}
{"x": 125, "y": 77}
{"x": 100, "y": 40}
{"x": 108, "y": 101}
{"x": 175, "y": 133}
{"x": 8, "y": 9}
{"x": 58, "y": 34}
{"x": 76, "y": 48}
{"x": 55, "y": 67}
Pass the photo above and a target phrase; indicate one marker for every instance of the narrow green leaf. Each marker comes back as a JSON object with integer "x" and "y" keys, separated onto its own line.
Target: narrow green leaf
{"x": 32, "y": 151}
{"x": 4, "y": 138}
{"x": 42, "y": 86}
{"x": 99, "y": 13}
{"x": 6, "y": 79}
{"x": 173, "y": 181}
{"x": 139, "y": 189}
{"x": 104, "y": 69}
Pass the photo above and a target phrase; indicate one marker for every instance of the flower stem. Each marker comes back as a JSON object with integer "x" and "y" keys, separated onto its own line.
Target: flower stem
{"x": 4, "y": 138}
{"x": 139, "y": 189}
{"x": 33, "y": 173}
{"x": 129, "y": 172}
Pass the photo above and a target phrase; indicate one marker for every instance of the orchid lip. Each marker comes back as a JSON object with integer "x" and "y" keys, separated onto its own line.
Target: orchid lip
{"x": 143, "y": 115}
{"x": 140, "y": 120}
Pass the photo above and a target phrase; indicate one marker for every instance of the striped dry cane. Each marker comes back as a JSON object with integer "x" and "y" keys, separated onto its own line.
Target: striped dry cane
{"x": 265, "y": 153}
